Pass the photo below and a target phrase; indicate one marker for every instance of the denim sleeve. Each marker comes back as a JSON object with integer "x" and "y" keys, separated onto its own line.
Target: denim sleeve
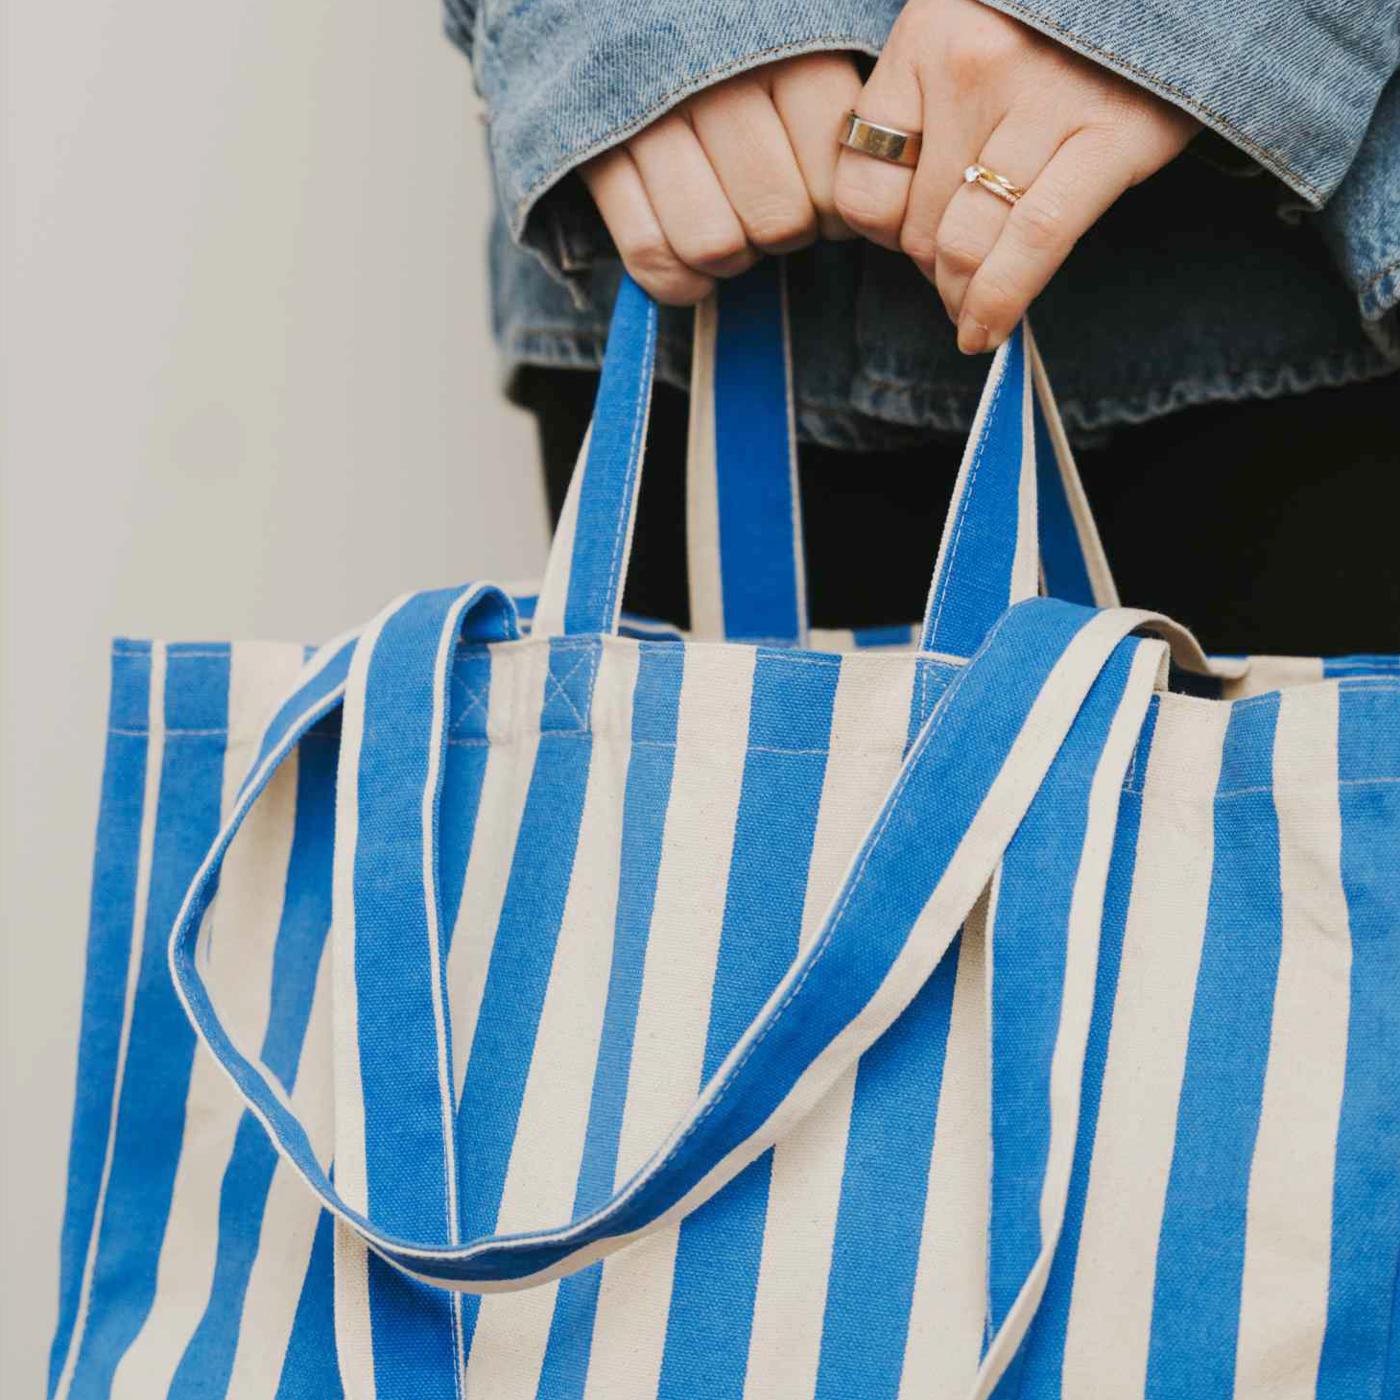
{"x": 565, "y": 79}
{"x": 1292, "y": 83}
{"x": 459, "y": 20}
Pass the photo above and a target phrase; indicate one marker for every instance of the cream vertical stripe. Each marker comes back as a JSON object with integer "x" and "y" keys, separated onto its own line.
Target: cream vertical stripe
{"x": 1272, "y": 673}
{"x": 1110, "y": 1314}
{"x": 155, "y": 762}
{"x": 513, "y": 707}
{"x": 246, "y": 919}
{"x": 289, "y": 1220}
{"x": 702, "y": 483}
{"x": 512, "y": 1329}
{"x": 673, "y": 1014}
{"x": 868, "y": 729}
{"x": 354, "y": 1343}
{"x": 948, "y": 1311}
{"x": 1288, "y": 1223}
{"x": 1025, "y": 567}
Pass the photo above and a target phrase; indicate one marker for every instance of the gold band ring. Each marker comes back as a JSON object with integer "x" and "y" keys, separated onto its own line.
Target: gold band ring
{"x": 887, "y": 143}
{"x": 993, "y": 183}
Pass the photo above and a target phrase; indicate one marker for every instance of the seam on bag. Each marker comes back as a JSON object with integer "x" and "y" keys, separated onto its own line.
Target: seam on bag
{"x": 475, "y": 700}
{"x": 170, "y": 733}
{"x": 559, "y": 682}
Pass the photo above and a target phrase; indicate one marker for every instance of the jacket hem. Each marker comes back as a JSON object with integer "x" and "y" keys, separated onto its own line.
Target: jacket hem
{"x": 880, "y": 415}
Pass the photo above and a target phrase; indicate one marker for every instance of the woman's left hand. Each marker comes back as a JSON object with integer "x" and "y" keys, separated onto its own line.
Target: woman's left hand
{"x": 984, "y": 89}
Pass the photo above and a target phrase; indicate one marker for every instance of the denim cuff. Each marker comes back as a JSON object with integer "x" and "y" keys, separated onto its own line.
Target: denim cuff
{"x": 563, "y": 81}
{"x": 459, "y": 23}
{"x": 1293, "y": 86}
{"x": 1362, "y": 224}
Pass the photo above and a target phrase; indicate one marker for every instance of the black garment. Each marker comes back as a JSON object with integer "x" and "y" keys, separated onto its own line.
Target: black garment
{"x": 1266, "y": 527}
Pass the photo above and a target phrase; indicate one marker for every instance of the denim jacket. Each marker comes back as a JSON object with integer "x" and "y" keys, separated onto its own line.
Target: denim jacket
{"x": 1273, "y": 270}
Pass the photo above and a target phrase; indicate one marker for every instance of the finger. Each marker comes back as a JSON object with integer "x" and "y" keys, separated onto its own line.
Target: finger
{"x": 616, "y": 186}
{"x": 813, "y": 95}
{"x": 691, "y": 205}
{"x": 957, "y": 123}
{"x": 1020, "y": 148}
{"x": 740, "y": 131}
{"x": 1088, "y": 172}
{"x": 871, "y": 194}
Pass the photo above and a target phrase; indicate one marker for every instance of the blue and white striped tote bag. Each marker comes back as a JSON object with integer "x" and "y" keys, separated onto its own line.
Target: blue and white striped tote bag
{"x": 558, "y": 1008}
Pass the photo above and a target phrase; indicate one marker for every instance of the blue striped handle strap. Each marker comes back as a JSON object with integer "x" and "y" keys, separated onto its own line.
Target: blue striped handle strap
{"x": 1018, "y": 522}
{"x": 743, "y": 511}
{"x": 745, "y": 534}
{"x": 1048, "y": 711}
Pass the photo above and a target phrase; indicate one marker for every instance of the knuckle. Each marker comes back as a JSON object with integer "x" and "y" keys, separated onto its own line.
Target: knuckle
{"x": 648, "y": 256}
{"x": 680, "y": 288}
{"x": 782, "y": 228}
{"x": 1040, "y": 222}
{"x": 988, "y": 52}
{"x": 957, "y": 254}
{"x": 862, "y": 208}
{"x": 918, "y": 244}
{"x": 993, "y": 302}
{"x": 716, "y": 251}
{"x": 656, "y": 267}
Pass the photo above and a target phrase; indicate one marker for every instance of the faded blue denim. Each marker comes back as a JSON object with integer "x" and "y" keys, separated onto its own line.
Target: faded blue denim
{"x": 1212, "y": 281}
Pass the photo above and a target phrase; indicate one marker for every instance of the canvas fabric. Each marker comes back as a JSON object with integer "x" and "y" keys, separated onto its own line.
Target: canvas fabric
{"x": 513, "y": 999}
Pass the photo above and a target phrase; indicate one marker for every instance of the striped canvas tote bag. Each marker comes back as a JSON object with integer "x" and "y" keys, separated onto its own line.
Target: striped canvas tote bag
{"x": 513, "y": 1000}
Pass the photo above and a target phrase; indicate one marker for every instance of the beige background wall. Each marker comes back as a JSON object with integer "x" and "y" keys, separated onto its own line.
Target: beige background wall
{"x": 248, "y": 391}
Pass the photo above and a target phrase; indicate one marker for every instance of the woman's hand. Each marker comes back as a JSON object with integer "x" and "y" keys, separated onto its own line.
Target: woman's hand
{"x": 986, "y": 89}
{"x": 743, "y": 168}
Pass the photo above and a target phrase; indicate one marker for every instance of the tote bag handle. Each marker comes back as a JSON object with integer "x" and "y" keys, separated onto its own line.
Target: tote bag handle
{"x": 745, "y": 547}
{"x": 1052, "y": 704}
{"x": 1053, "y": 689}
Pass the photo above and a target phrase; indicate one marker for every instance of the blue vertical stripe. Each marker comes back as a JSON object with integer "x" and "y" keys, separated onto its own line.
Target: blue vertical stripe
{"x": 875, "y": 1254}
{"x": 607, "y": 494}
{"x": 1028, "y": 948}
{"x": 717, "y": 1258}
{"x": 896, "y": 634}
{"x": 1044, "y": 1347}
{"x": 655, "y": 713}
{"x": 1200, "y": 1252}
{"x": 160, "y": 1048}
{"x": 759, "y": 536}
{"x": 310, "y": 1370}
{"x": 306, "y": 911}
{"x": 108, "y": 958}
{"x": 1061, "y": 553}
{"x": 404, "y": 1067}
{"x": 1361, "y": 1347}
{"x": 973, "y": 588}
{"x": 522, "y": 954}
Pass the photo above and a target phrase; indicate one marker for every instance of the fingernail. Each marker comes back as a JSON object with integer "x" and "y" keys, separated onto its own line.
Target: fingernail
{"x": 972, "y": 336}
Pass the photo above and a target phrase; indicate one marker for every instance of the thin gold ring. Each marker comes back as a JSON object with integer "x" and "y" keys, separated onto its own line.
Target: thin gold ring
{"x": 887, "y": 143}
{"x": 993, "y": 183}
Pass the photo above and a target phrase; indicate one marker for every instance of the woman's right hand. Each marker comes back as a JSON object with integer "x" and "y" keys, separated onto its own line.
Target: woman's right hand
{"x": 743, "y": 168}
